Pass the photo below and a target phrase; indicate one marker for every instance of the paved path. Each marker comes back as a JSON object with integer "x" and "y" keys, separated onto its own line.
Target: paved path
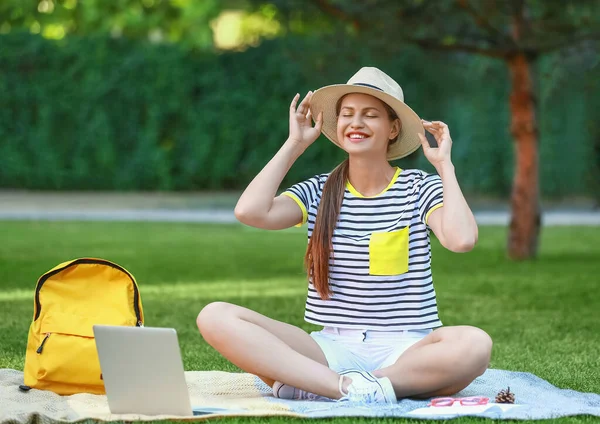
{"x": 208, "y": 208}
{"x": 226, "y": 216}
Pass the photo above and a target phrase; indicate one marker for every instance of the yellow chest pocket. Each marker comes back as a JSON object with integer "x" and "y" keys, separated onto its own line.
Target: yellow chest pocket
{"x": 388, "y": 253}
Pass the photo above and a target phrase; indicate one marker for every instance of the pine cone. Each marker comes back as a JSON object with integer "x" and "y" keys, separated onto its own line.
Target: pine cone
{"x": 505, "y": 396}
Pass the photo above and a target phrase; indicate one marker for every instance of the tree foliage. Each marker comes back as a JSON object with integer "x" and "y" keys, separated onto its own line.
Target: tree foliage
{"x": 181, "y": 21}
{"x": 482, "y": 27}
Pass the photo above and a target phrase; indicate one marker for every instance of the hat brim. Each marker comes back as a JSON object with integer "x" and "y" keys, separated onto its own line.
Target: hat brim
{"x": 325, "y": 100}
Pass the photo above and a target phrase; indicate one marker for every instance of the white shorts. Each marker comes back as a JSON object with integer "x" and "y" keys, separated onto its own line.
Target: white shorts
{"x": 367, "y": 350}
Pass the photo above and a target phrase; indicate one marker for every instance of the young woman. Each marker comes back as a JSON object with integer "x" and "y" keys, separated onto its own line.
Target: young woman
{"x": 368, "y": 257}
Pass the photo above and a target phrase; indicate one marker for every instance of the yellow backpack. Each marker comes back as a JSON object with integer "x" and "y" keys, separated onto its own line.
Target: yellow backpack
{"x": 69, "y": 299}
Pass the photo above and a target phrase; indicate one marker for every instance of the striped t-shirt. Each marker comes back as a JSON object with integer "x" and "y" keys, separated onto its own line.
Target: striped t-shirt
{"x": 380, "y": 267}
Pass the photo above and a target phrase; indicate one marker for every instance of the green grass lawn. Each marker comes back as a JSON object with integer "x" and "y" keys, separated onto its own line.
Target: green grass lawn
{"x": 543, "y": 315}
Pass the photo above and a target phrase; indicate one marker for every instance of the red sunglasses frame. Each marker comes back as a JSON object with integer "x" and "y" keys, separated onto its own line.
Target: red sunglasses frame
{"x": 466, "y": 401}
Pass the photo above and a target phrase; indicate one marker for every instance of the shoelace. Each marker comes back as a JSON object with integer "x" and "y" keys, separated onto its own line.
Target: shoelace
{"x": 363, "y": 396}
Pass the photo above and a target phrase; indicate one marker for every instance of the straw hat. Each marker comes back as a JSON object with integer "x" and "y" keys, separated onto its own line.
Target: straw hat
{"x": 376, "y": 83}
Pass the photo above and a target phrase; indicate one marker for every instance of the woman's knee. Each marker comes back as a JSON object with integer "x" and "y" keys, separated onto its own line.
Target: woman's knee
{"x": 478, "y": 345}
{"x": 213, "y": 317}
{"x": 472, "y": 344}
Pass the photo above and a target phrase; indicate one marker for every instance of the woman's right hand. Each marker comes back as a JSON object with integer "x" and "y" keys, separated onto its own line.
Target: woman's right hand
{"x": 301, "y": 130}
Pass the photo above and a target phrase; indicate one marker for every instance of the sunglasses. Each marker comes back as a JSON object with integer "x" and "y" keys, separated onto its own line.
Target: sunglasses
{"x": 466, "y": 401}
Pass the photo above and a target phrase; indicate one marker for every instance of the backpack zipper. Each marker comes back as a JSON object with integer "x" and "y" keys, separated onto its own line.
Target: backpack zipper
{"x": 136, "y": 305}
{"x": 39, "y": 349}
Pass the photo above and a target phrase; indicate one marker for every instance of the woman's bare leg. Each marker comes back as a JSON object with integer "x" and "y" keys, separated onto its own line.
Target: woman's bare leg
{"x": 443, "y": 363}
{"x": 268, "y": 348}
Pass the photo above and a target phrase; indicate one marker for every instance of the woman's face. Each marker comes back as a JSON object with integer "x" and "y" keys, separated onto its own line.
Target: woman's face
{"x": 364, "y": 125}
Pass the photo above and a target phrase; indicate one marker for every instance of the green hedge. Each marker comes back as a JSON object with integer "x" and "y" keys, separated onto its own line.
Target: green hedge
{"x": 111, "y": 114}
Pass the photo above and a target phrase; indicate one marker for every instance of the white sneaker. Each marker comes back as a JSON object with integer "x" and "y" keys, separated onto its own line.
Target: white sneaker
{"x": 284, "y": 391}
{"x": 365, "y": 388}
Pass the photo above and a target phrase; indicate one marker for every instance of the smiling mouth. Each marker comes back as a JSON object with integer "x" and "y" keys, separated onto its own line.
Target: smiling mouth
{"x": 357, "y": 137}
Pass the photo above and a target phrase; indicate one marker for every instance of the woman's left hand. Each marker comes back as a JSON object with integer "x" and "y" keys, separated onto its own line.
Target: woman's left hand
{"x": 440, "y": 155}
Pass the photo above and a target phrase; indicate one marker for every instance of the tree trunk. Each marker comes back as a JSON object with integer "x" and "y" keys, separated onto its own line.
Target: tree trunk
{"x": 525, "y": 220}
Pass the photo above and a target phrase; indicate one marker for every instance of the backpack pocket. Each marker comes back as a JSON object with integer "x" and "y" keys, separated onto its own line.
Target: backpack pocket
{"x": 67, "y": 351}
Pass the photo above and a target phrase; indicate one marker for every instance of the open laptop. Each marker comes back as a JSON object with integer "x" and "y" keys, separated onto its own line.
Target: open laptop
{"x": 143, "y": 372}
